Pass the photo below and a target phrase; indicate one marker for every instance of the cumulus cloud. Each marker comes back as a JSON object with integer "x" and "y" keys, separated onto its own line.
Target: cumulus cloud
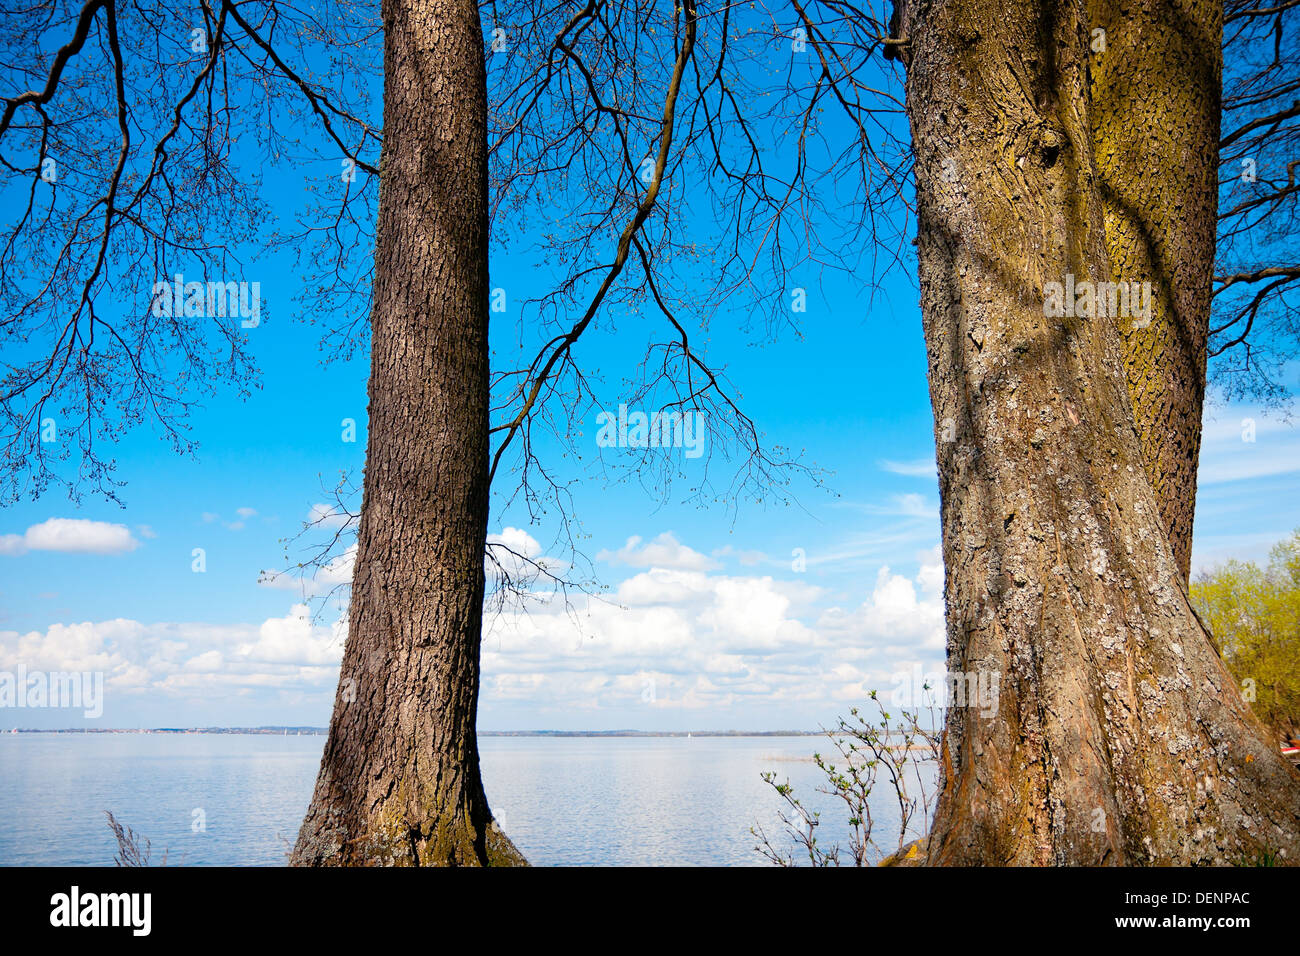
{"x": 519, "y": 541}
{"x": 71, "y": 536}
{"x": 901, "y": 615}
{"x": 185, "y": 660}
{"x": 292, "y": 639}
{"x": 516, "y": 561}
{"x": 680, "y": 634}
{"x": 682, "y": 638}
{"x": 930, "y": 576}
{"x": 664, "y": 551}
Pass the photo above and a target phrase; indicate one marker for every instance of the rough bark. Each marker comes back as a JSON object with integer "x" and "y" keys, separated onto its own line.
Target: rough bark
{"x": 1118, "y": 737}
{"x": 1155, "y": 123}
{"x": 399, "y": 782}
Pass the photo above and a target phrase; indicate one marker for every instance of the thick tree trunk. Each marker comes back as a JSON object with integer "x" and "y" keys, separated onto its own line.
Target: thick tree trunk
{"x": 1118, "y": 736}
{"x": 399, "y": 781}
{"x": 1155, "y": 122}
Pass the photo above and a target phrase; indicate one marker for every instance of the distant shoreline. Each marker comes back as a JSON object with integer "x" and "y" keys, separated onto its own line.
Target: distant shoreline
{"x": 321, "y": 731}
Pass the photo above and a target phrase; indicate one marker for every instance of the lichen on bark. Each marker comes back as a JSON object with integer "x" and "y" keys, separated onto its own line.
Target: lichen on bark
{"x": 1119, "y": 737}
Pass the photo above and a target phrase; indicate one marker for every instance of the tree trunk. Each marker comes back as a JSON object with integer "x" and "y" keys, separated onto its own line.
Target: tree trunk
{"x": 1118, "y": 736}
{"x": 1155, "y": 130}
{"x": 399, "y": 781}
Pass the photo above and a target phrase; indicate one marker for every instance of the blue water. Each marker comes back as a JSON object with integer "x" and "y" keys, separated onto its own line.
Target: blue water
{"x": 564, "y": 801}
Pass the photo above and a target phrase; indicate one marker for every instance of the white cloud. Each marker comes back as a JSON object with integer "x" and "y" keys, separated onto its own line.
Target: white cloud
{"x": 899, "y": 615}
{"x": 664, "y": 586}
{"x": 679, "y": 638}
{"x": 747, "y": 558}
{"x": 71, "y": 536}
{"x": 930, "y": 576}
{"x": 292, "y": 639}
{"x": 699, "y": 640}
{"x": 1246, "y": 443}
{"x": 664, "y": 551}
{"x": 909, "y": 505}
{"x": 185, "y": 660}
{"x": 915, "y": 506}
{"x": 519, "y": 541}
{"x": 916, "y": 468}
{"x": 327, "y": 516}
{"x": 313, "y": 582}
{"x": 238, "y": 525}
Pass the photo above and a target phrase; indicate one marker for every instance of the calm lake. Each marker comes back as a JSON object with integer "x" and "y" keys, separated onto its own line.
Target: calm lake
{"x": 228, "y": 799}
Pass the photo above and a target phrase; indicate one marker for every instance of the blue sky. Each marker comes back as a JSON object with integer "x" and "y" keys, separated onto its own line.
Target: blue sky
{"x": 708, "y": 622}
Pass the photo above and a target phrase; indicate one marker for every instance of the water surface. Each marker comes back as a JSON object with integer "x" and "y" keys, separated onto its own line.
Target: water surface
{"x": 233, "y": 799}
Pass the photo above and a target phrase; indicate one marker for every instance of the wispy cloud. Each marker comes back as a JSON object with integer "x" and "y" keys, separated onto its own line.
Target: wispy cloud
{"x": 1244, "y": 443}
{"x": 909, "y": 505}
{"x": 916, "y": 468}
{"x": 243, "y": 515}
{"x": 748, "y": 558}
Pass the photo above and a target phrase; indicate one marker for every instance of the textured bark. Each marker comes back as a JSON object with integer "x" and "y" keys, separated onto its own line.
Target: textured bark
{"x": 399, "y": 781}
{"x": 1118, "y": 736}
{"x": 1155, "y": 122}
